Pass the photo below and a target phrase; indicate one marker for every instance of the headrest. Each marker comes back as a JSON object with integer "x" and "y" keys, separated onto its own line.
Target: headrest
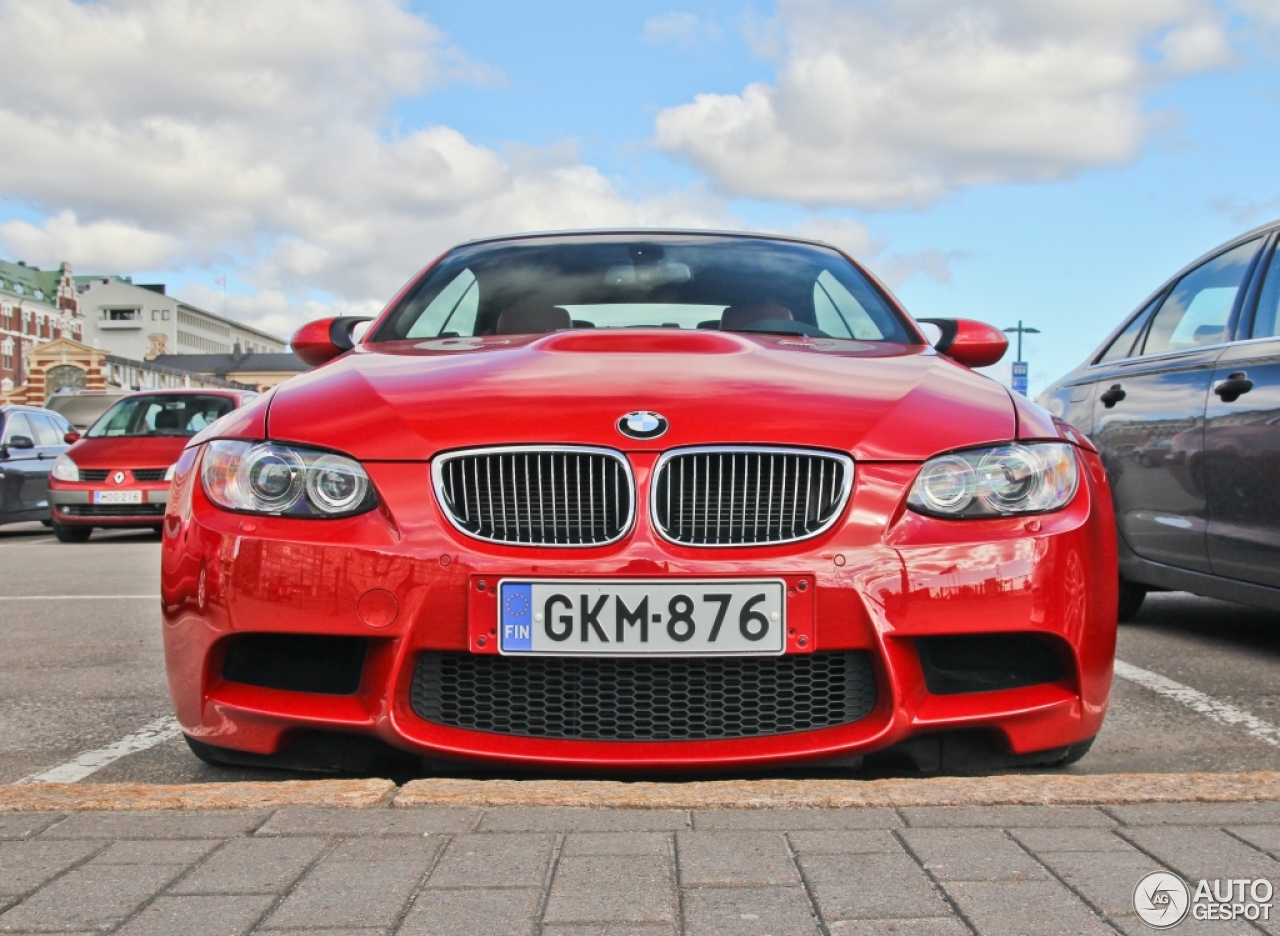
{"x": 170, "y": 419}
{"x": 530, "y": 317}
{"x": 738, "y": 316}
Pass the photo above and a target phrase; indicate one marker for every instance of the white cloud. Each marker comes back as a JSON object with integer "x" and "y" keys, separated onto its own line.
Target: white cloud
{"x": 271, "y": 309}
{"x": 180, "y": 133}
{"x": 891, "y": 103}
{"x": 106, "y": 244}
{"x": 253, "y": 139}
{"x": 1246, "y": 210}
{"x": 682, "y": 29}
{"x": 892, "y": 267}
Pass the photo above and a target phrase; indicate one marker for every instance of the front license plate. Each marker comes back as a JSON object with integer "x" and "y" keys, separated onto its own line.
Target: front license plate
{"x": 117, "y": 497}
{"x": 636, "y": 617}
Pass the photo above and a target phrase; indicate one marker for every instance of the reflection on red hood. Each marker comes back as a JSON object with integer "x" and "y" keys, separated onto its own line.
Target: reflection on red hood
{"x": 409, "y": 400}
{"x": 127, "y": 451}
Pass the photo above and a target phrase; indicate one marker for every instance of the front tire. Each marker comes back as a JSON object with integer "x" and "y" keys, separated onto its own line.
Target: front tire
{"x": 69, "y": 534}
{"x": 1132, "y": 595}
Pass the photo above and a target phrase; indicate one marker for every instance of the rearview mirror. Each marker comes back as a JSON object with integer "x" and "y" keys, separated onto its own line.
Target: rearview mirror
{"x": 20, "y": 442}
{"x": 71, "y": 437}
{"x": 968, "y": 342}
{"x": 323, "y": 340}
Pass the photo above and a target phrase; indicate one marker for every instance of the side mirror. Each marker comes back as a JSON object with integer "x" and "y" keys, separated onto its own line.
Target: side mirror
{"x": 21, "y": 442}
{"x": 71, "y": 438}
{"x": 967, "y": 342}
{"x": 324, "y": 339}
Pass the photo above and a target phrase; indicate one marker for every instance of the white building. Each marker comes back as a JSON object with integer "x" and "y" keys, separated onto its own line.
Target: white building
{"x": 141, "y": 322}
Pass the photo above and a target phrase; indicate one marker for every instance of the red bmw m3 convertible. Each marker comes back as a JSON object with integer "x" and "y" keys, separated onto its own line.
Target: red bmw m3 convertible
{"x": 641, "y": 500}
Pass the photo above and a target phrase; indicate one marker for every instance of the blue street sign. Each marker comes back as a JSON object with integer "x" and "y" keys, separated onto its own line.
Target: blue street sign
{"x": 1020, "y": 377}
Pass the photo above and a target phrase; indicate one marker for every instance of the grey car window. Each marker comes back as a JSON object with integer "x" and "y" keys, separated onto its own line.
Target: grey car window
{"x": 18, "y": 425}
{"x": 1122, "y": 347}
{"x": 46, "y": 430}
{"x": 1266, "y": 321}
{"x": 1197, "y": 308}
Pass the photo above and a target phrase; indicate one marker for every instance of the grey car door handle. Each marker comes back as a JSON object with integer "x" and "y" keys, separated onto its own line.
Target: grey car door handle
{"x": 1113, "y": 396}
{"x": 1233, "y": 387}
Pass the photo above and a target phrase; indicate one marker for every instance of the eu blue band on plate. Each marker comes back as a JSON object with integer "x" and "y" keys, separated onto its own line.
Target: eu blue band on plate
{"x": 517, "y": 616}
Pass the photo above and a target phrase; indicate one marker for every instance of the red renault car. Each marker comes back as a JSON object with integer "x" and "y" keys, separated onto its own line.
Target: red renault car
{"x": 639, "y": 500}
{"x": 118, "y": 474}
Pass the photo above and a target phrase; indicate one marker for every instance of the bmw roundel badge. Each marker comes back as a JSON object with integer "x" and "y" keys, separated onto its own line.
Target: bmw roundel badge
{"x": 642, "y": 424}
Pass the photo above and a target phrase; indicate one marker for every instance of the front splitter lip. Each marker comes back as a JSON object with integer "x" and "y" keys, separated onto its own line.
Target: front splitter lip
{"x": 274, "y": 712}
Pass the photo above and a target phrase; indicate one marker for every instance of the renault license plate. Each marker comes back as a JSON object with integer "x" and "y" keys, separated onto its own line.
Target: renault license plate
{"x": 117, "y": 497}
{"x": 641, "y": 617}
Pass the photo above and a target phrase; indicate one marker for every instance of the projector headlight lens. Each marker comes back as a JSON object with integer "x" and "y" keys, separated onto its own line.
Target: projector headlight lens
{"x": 997, "y": 482}
{"x": 265, "y": 478}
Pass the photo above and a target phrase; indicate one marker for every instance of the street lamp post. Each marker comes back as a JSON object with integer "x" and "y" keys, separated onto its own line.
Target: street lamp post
{"x": 1020, "y": 366}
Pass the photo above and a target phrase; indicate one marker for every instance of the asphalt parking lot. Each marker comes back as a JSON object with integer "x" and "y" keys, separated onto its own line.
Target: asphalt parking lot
{"x": 83, "y": 696}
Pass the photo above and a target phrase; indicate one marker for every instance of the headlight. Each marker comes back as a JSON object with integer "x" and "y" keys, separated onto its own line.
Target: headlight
{"x": 997, "y": 482}
{"x": 265, "y": 478}
{"x": 64, "y": 469}
{"x": 168, "y": 475}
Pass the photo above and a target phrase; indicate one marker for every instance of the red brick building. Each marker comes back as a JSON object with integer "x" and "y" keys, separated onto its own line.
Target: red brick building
{"x": 36, "y": 306}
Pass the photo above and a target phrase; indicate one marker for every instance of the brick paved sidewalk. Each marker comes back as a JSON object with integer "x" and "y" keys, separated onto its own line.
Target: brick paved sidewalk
{"x": 935, "y": 871}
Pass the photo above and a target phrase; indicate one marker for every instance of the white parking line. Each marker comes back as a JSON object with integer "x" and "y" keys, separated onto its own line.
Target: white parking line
{"x": 89, "y": 762}
{"x": 1222, "y": 712}
{"x": 75, "y": 597}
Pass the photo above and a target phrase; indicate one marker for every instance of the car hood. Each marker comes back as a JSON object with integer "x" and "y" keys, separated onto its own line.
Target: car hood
{"x": 127, "y": 451}
{"x": 409, "y": 400}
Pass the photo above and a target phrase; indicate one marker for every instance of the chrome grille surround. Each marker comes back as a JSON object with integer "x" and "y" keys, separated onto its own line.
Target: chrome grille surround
{"x": 774, "y": 495}
{"x": 560, "y": 496}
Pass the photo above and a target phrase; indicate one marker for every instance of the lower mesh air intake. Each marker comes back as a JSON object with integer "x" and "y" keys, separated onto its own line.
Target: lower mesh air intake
{"x": 643, "y": 699}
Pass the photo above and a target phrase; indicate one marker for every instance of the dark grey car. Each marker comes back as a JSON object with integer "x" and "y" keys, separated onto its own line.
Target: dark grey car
{"x": 30, "y": 439}
{"x": 1183, "y": 401}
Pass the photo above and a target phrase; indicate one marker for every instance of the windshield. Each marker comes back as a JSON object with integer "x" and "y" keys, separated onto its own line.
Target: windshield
{"x": 727, "y": 283}
{"x": 161, "y": 415}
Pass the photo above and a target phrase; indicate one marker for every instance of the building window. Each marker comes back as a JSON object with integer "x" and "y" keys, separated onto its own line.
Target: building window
{"x": 204, "y": 344}
{"x": 121, "y": 315}
{"x": 164, "y": 315}
{"x": 155, "y": 315}
{"x": 199, "y": 321}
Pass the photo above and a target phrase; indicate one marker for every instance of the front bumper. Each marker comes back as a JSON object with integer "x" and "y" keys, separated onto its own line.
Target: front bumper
{"x": 406, "y": 582}
{"x": 72, "y": 504}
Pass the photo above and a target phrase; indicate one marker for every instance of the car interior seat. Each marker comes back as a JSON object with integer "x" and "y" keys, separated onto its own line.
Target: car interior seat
{"x": 532, "y": 318}
{"x": 740, "y": 316}
{"x": 170, "y": 420}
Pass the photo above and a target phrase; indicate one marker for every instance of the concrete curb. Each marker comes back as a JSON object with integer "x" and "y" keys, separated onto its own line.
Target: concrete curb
{"x": 1014, "y": 790}
{"x": 355, "y": 794}
{"x": 1022, "y": 790}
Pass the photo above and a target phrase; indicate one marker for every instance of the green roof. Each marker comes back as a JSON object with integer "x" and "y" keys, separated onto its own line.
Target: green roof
{"x": 24, "y": 282}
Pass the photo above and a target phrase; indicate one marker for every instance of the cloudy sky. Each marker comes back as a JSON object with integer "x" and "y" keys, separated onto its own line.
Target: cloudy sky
{"x": 1051, "y": 161}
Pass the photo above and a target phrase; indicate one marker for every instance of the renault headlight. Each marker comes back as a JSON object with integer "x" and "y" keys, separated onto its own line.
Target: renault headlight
{"x": 997, "y": 482}
{"x": 265, "y": 478}
{"x": 64, "y": 469}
